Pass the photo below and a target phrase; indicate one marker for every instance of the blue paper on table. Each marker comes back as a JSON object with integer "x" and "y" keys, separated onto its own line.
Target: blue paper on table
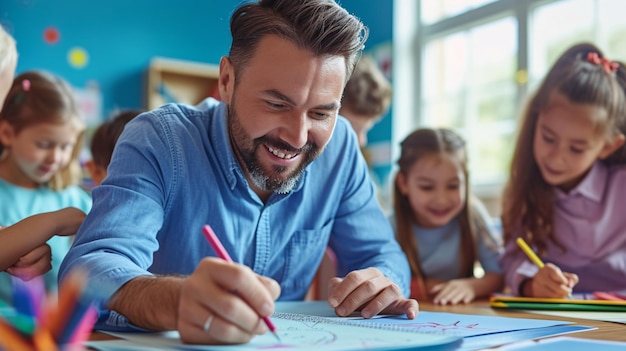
{"x": 481, "y": 342}
{"x": 478, "y": 331}
{"x": 453, "y": 324}
{"x": 571, "y": 344}
{"x": 313, "y": 326}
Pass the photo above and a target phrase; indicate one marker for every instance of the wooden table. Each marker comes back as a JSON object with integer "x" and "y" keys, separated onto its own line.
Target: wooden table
{"x": 606, "y": 330}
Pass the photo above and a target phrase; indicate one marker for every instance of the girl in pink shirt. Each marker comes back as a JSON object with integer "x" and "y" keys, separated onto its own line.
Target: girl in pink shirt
{"x": 566, "y": 190}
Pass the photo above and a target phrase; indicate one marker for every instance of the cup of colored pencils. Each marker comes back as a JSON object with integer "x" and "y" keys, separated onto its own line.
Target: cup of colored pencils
{"x": 37, "y": 321}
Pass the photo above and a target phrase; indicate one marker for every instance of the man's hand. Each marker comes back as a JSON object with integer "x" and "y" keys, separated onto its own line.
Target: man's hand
{"x": 370, "y": 292}
{"x": 223, "y": 303}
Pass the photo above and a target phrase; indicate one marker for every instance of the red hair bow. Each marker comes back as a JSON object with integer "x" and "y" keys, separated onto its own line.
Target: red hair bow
{"x": 609, "y": 66}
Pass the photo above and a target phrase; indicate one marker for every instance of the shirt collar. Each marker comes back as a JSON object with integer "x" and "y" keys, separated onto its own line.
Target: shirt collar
{"x": 592, "y": 186}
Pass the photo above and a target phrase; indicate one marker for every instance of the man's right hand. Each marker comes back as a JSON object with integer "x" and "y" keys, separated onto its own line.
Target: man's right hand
{"x": 223, "y": 303}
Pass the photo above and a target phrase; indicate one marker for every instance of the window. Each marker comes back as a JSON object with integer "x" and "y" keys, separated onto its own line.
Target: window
{"x": 597, "y": 21}
{"x": 470, "y": 64}
{"x": 468, "y": 86}
{"x": 434, "y": 10}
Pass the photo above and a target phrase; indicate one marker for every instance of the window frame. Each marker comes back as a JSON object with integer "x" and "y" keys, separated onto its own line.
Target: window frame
{"x": 410, "y": 38}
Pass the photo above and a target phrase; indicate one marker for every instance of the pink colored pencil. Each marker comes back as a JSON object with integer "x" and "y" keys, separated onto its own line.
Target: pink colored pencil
{"x": 209, "y": 234}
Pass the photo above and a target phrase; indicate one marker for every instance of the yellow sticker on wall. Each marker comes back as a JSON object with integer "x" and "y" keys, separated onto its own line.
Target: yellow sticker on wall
{"x": 78, "y": 57}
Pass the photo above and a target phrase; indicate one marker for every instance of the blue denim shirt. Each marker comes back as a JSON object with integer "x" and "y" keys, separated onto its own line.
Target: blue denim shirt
{"x": 173, "y": 171}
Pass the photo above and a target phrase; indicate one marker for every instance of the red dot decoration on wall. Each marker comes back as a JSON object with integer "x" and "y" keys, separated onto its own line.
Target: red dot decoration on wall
{"x": 51, "y": 35}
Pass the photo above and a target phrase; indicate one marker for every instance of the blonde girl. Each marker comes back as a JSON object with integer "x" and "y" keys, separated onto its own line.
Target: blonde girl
{"x": 565, "y": 195}
{"x": 8, "y": 61}
{"x": 40, "y": 138}
{"x": 442, "y": 229}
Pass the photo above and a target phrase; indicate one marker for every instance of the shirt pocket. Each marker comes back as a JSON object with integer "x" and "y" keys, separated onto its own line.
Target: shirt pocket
{"x": 303, "y": 256}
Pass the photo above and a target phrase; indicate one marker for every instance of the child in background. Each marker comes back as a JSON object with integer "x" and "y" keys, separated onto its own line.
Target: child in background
{"x": 40, "y": 137}
{"x": 24, "y": 252}
{"x": 565, "y": 194}
{"x": 443, "y": 229}
{"x": 366, "y": 97}
{"x": 8, "y": 61}
{"x": 103, "y": 143}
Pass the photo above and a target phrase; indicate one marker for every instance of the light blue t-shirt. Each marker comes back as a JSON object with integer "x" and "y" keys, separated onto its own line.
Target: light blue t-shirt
{"x": 173, "y": 170}
{"x": 18, "y": 203}
{"x": 439, "y": 248}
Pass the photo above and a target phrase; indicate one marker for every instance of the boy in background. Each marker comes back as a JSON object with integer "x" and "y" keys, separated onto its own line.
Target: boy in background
{"x": 366, "y": 98}
{"x": 103, "y": 143}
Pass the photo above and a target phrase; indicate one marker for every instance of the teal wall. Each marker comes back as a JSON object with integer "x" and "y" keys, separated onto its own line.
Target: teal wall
{"x": 119, "y": 36}
{"x": 378, "y": 16}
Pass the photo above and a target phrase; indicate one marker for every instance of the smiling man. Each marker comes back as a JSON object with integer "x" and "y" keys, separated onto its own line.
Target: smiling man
{"x": 274, "y": 172}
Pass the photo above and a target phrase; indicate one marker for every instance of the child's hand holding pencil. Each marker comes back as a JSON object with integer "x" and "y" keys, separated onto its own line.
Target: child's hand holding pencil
{"x": 549, "y": 281}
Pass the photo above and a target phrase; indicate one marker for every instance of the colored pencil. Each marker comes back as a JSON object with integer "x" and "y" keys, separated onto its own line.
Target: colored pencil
{"x": 74, "y": 320}
{"x": 532, "y": 255}
{"x": 40, "y": 322}
{"x": 11, "y": 339}
{"x": 529, "y": 252}
{"x": 85, "y": 327}
{"x": 43, "y": 340}
{"x": 602, "y": 295}
{"x": 219, "y": 249}
{"x": 69, "y": 293}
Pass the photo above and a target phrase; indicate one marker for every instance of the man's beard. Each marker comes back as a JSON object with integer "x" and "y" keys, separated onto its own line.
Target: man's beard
{"x": 247, "y": 147}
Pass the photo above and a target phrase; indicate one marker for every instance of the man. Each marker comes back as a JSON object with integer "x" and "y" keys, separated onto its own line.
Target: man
{"x": 262, "y": 169}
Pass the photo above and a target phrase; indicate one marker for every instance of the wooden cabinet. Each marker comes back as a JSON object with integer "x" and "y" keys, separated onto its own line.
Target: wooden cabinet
{"x": 172, "y": 80}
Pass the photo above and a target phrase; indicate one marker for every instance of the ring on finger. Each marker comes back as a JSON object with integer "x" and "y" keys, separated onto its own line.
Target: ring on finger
{"x": 207, "y": 324}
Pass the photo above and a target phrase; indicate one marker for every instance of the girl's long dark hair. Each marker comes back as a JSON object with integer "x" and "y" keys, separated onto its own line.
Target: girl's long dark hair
{"x": 528, "y": 199}
{"x": 418, "y": 144}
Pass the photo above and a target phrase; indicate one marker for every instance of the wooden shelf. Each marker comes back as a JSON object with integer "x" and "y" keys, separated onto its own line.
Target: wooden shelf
{"x": 172, "y": 80}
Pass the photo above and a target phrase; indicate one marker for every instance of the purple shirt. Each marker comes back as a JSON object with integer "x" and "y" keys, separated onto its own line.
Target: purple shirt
{"x": 590, "y": 222}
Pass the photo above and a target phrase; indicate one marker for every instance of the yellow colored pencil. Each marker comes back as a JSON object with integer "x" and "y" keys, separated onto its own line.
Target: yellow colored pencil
{"x": 529, "y": 252}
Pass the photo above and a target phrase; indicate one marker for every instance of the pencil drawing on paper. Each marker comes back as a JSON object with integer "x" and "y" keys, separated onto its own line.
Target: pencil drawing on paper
{"x": 452, "y": 328}
{"x": 308, "y": 336}
{"x": 315, "y": 333}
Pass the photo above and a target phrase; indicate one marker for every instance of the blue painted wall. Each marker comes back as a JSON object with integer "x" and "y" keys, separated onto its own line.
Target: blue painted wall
{"x": 121, "y": 36}
{"x": 378, "y": 16}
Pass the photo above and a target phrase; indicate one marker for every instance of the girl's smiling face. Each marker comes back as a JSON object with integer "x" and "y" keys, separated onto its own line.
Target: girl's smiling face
{"x": 567, "y": 141}
{"x": 435, "y": 187}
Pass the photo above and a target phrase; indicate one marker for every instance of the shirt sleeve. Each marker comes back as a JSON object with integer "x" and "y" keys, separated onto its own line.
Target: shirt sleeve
{"x": 362, "y": 236}
{"x": 117, "y": 240}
